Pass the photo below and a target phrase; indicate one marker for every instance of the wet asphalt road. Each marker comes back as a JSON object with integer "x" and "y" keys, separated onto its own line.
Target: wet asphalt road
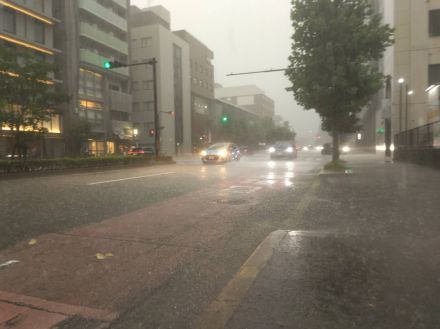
{"x": 36, "y": 205}
{"x": 376, "y": 264}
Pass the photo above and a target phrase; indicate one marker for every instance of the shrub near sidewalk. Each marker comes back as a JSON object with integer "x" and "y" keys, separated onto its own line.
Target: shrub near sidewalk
{"x": 339, "y": 165}
{"x": 32, "y": 165}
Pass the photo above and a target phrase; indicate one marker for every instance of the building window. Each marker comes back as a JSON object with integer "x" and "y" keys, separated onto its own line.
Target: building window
{"x": 9, "y": 20}
{"x": 119, "y": 116}
{"x": 148, "y": 106}
{"x": 146, "y": 42}
{"x": 90, "y": 83}
{"x": 135, "y": 107}
{"x": 433, "y": 74}
{"x": 434, "y": 23}
{"x": 39, "y": 35}
{"x": 92, "y": 111}
{"x": 135, "y": 86}
{"x": 147, "y": 85}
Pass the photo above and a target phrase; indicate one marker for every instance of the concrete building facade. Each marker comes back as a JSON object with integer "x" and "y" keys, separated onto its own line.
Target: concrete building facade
{"x": 202, "y": 87}
{"x": 92, "y": 32}
{"x": 29, "y": 26}
{"x": 417, "y": 68}
{"x": 151, "y": 37}
{"x": 250, "y": 97}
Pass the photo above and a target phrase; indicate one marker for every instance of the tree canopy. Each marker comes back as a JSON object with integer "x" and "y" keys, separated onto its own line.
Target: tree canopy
{"x": 335, "y": 45}
{"x": 27, "y": 93}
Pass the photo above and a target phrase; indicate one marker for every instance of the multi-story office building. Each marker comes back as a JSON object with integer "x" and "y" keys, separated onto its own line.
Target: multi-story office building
{"x": 29, "y": 25}
{"x": 202, "y": 87}
{"x": 92, "y": 32}
{"x": 417, "y": 64}
{"x": 151, "y": 37}
{"x": 408, "y": 105}
{"x": 249, "y": 97}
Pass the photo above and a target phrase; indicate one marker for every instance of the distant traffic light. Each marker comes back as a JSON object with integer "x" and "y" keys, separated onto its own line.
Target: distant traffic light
{"x": 151, "y": 132}
{"x": 225, "y": 119}
{"x": 113, "y": 64}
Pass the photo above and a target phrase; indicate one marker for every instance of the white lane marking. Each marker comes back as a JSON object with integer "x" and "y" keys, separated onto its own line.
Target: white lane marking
{"x": 130, "y": 178}
{"x": 8, "y": 263}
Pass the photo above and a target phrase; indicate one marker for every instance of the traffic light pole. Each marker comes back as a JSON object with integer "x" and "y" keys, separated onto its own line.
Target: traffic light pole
{"x": 153, "y": 62}
{"x": 156, "y": 110}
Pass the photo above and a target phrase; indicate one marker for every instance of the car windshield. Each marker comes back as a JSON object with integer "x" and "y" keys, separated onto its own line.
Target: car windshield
{"x": 228, "y": 164}
{"x": 283, "y": 144}
{"x": 216, "y": 147}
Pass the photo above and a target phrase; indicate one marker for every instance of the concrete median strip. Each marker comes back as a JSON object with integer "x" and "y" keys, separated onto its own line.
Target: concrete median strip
{"x": 220, "y": 311}
{"x": 130, "y": 178}
{"x": 48, "y": 307}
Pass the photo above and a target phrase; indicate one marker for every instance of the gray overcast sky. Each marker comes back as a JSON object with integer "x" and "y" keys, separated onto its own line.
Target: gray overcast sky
{"x": 245, "y": 35}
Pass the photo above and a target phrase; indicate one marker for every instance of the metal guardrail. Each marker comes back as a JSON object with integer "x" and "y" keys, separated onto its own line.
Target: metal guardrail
{"x": 420, "y": 145}
{"x": 423, "y": 137}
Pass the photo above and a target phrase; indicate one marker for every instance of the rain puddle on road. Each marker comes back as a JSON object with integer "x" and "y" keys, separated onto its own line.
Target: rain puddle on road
{"x": 237, "y": 194}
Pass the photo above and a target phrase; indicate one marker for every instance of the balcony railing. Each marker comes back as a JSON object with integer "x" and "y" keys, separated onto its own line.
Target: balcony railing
{"x": 104, "y": 38}
{"x": 120, "y": 101}
{"x": 103, "y": 13}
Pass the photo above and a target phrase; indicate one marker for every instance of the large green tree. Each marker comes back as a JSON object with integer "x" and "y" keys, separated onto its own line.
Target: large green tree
{"x": 28, "y": 97}
{"x": 334, "y": 45}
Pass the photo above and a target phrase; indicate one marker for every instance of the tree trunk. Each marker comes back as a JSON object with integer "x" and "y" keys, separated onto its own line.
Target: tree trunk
{"x": 16, "y": 146}
{"x": 335, "y": 153}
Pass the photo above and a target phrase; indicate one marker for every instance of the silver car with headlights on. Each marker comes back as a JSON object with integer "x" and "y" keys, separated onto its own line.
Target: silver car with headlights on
{"x": 221, "y": 153}
{"x": 283, "y": 150}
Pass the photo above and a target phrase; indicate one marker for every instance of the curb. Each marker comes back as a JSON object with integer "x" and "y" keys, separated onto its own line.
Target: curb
{"x": 223, "y": 307}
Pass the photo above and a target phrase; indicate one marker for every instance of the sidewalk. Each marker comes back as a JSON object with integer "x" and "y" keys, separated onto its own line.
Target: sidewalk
{"x": 366, "y": 254}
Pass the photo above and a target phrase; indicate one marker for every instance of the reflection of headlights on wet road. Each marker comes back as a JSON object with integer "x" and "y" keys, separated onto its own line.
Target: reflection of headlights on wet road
{"x": 345, "y": 149}
{"x": 271, "y": 149}
{"x": 289, "y": 149}
{"x": 203, "y": 153}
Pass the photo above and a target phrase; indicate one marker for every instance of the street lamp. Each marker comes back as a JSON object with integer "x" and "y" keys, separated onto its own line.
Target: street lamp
{"x": 408, "y": 93}
{"x": 135, "y": 134}
{"x": 401, "y": 81}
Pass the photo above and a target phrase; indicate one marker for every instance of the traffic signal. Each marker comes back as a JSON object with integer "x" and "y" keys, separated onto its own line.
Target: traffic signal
{"x": 151, "y": 132}
{"x": 224, "y": 119}
{"x": 113, "y": 64}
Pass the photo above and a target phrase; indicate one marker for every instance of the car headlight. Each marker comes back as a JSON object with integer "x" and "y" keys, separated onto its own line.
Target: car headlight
{"x": 289, "y": 149}
{"x": 203, "y": 153}
{"x": 305, "y": 148}
{"x": 345, "y": 149}
{"x": 271, "y": 149}
{"x": 222, "y": 153}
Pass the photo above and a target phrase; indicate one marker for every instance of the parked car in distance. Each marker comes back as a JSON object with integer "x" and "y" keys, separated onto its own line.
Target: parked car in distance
{"x": 221, "y": 153}
{"x": 141, "y": 151}
{"x": 283, "y": 150}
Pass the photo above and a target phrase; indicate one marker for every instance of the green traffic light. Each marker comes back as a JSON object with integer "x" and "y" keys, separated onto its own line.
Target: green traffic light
{"x": 225, "y": 119}
{"x": 107, "y": 65}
